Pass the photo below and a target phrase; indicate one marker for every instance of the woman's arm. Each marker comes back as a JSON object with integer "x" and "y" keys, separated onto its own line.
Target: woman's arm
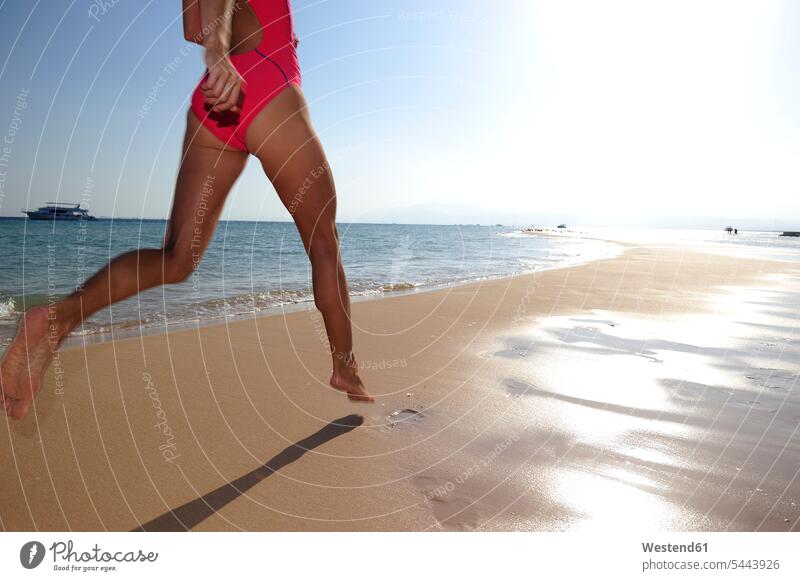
{"x": 215, "y": 20}
{"x": 223, "y": 84}
{"x": 192, "y": 25}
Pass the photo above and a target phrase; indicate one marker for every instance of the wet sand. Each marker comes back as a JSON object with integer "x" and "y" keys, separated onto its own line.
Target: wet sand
{"x": 653, "y": 391}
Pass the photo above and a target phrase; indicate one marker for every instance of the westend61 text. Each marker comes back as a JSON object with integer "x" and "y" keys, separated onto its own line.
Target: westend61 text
{"x": 670, "y": 548}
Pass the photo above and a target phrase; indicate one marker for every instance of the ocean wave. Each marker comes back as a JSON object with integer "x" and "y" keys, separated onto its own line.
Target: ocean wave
{"x": 514, "y": 234}
{"x": 267, "y": 298}
{"x": 8, "y": 308}
{"x": 11, "y": 306}
{"x": 398, "y": 286}
{"x": 124, "y": 318}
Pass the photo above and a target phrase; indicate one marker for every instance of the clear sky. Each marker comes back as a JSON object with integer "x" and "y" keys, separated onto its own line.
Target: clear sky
{"x": 515, "y": 111}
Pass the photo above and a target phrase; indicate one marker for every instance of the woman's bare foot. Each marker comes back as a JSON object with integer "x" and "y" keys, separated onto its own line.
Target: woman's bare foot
{"x": 345, "y": 378}
{"x": 25, "y": 361}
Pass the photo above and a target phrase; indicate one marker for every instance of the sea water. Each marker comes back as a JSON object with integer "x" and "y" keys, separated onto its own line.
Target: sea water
{"x": 260, "y": 267}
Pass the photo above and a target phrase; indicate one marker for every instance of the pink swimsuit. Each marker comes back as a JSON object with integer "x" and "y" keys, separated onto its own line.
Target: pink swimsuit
{"x": 266, "y": 70}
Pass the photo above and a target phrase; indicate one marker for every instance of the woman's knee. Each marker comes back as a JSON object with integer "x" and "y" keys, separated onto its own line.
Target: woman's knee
{"x": 323, "y": 245}
{"x": 178, "y": 265}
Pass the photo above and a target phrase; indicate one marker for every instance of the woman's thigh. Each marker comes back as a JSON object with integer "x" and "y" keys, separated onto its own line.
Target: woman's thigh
{"x": 282, "y": 137}
{"x": 207, "y": 173}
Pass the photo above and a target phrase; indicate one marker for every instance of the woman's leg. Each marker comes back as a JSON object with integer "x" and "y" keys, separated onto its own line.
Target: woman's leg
{"x": 208, "y": 171}
{"x": 283, "y": 139}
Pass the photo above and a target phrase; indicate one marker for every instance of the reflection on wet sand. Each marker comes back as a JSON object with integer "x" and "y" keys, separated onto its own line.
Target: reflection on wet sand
{"x": 666, "y": 422}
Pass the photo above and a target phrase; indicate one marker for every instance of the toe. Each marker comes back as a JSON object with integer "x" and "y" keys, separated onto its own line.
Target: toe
{"x": 360, "y": 397}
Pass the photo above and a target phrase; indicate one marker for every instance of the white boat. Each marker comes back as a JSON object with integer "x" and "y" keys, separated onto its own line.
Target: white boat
{"x": 59, "y": 211}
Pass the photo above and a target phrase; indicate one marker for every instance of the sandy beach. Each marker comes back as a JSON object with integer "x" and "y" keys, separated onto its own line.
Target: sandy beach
{"x": 652, "y": 391}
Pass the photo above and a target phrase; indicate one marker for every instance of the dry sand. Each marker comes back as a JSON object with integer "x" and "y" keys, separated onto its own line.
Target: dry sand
{"x": 653, "y": 391}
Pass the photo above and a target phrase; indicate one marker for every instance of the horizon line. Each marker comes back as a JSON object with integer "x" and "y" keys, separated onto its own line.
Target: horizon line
{"x": 528, "y": 225}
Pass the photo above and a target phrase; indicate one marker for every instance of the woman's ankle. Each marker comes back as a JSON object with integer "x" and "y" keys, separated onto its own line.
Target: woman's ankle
{"x": 62, "y": 320}
{"x": 344, "y": 362}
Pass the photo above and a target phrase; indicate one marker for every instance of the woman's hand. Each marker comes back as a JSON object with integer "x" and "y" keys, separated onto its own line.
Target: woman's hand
{"x": 222, "y": 88}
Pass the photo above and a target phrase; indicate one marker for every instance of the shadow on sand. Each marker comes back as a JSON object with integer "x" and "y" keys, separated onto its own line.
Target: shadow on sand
{"x": 189, "y": 515}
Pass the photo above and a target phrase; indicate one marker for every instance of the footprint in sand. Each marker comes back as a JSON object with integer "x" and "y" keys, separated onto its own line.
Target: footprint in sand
{"x": 452, "y": 511}
{"x": 518, "y": 389}
{"x": 513, "y": 353}
{"x": 402, "y": 418}
{"x": 757, "y": 405}
{"x": 771, "y": 378}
